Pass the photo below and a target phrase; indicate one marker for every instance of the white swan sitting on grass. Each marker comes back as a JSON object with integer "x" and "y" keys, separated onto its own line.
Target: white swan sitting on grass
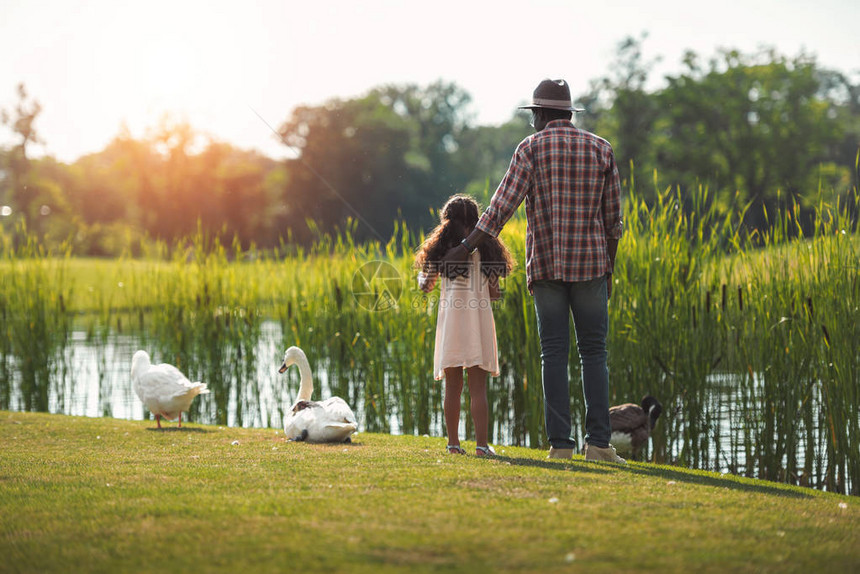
{"x": 330, "y": 420}
{"x": 162, "y": 388}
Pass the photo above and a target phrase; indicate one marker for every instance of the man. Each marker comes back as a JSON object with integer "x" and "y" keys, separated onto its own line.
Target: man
{"x": 569, "y": 181}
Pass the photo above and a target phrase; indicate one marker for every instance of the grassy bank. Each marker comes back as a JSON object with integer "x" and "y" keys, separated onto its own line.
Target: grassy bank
{"x": 105, "y": 495}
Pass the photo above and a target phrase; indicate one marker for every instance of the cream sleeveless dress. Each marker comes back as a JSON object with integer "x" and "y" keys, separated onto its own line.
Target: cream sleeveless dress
{"x": 465, "y": 329}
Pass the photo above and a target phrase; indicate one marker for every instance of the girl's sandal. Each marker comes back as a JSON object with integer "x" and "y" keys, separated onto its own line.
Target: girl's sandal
{"x": 455, "y": 449}
{"x": 484, "y": 451}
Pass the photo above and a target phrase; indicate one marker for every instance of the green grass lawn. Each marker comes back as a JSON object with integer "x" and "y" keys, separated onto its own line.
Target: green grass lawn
{"x": 105, "y": 495}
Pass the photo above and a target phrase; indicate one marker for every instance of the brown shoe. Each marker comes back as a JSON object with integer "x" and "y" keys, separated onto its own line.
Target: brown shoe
{"x": 597, "y": 454}
{"x": 560, "y": 452}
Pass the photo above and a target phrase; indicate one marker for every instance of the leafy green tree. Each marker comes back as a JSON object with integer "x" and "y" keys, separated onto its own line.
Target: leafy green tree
{"x": 22, "y": 196}
{"x": 633, "y": 110}
{"x": 439, "y": 116}
{"x": 375, "y": 159}
{"x": 163, "y": 186}
{"x": 750, "y": 127}
{"x": 752, "y": 124}
{"x": 98, "y": 189}
{"x": 351, "y": 164}
{"x": 619, "y": 109}
{"x": 843, "y": 96}
{"x": 237, "y": 193}
{"x": 485, "y": 152}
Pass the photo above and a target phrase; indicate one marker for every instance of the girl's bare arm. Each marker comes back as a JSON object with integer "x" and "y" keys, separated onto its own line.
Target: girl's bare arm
{"x": 426, "y": 281}
{"x": 493, "y": 286}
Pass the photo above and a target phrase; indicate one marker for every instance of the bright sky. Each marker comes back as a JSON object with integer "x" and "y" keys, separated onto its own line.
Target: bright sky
{"x": 98, "y": 65}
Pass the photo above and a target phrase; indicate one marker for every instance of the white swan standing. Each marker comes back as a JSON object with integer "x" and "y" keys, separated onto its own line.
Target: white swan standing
{"x": 330, "y": 420}
{"x": 162, "y": 388}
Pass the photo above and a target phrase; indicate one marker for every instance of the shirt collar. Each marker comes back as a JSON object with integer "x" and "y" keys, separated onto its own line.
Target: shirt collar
{"x": 559, "y": 124}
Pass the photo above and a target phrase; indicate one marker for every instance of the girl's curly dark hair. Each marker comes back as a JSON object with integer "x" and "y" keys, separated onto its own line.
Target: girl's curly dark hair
{"x": 457, "y": 220}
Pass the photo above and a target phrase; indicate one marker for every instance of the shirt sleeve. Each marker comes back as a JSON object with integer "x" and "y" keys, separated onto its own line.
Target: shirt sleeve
{"x": 612, "y": 222}
{"x": 510, "y": 193}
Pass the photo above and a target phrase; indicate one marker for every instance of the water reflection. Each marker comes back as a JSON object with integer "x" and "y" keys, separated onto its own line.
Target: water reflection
{"x": 94, "y": 380}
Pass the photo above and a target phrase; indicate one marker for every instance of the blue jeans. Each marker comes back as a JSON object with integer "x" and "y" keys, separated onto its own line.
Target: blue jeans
{"x": 554, "y": 303}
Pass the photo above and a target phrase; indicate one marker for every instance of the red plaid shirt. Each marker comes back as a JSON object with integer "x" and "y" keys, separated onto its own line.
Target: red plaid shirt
{"x": 572, "y": 191}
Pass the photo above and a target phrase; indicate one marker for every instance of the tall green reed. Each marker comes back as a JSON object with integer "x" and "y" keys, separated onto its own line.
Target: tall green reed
{"x": 723, "y": 326}
{"x": 37, "y": 320}
{"x": 667, "y": 324}
{"x": 361, "y": 319}
{"x": 206, "y": 322}
{"x": 798, "y": 340}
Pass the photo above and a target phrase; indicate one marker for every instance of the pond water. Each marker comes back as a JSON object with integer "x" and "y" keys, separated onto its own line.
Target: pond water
{"x": 95, "y": 381}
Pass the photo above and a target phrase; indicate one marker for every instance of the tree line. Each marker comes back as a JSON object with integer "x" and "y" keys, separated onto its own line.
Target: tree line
{"x": 755, "y": 129}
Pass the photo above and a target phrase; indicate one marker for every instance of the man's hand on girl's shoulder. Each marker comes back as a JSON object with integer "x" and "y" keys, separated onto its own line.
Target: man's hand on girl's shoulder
{"x": 456, "y": 254}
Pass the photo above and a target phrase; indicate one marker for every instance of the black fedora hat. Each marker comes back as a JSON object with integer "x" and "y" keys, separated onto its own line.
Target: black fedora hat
{"x": 552, "y": 94}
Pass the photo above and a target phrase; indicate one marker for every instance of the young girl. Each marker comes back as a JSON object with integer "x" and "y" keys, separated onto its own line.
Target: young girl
{"x": 465, "y": 329}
